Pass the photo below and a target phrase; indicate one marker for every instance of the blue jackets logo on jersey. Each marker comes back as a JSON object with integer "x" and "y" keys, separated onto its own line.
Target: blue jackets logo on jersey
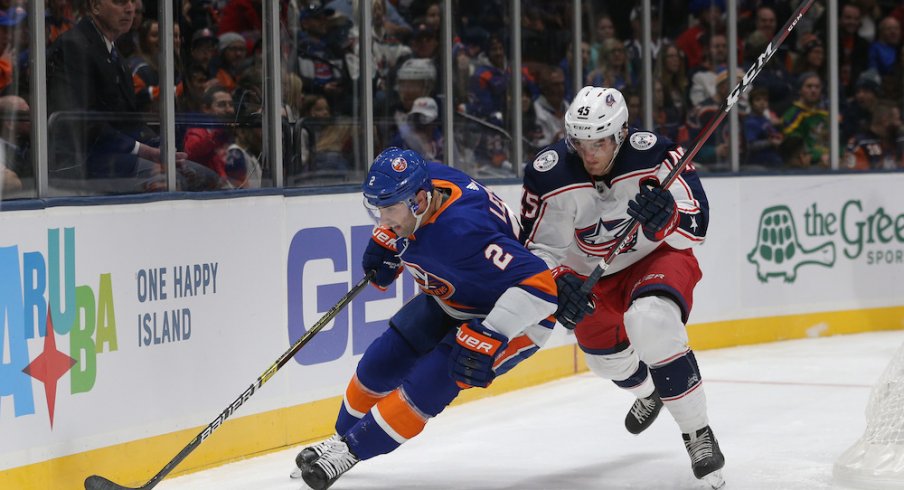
{"x": 430, "y": 283}
{"x": 587, "y": 237}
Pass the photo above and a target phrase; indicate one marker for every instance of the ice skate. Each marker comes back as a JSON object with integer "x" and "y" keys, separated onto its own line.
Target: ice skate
{"x": 332, "y": 463}
{"x": 706, "y": 457}
{"x": 308, "y": 455}
{"x": 643, "y": 413}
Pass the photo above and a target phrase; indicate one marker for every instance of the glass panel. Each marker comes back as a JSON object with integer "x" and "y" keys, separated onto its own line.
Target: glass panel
{"x": 546, "y": 81}
{"x": 219, "y": 108}
{"x": 483, "y": 119}
{"x": 408, "y": 75}
{"x": 322, "y": 97}
{"x": 16, "y": 167}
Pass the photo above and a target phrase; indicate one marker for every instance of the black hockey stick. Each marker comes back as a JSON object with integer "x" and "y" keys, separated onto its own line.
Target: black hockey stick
{"x": 96, "y": 482}
{"x": 704, "y": 135}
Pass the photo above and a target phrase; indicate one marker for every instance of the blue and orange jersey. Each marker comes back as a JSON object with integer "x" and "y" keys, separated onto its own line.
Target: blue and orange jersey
{"x": 467, "y": 254}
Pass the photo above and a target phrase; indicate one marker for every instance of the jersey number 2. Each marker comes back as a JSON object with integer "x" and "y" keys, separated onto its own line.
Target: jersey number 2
{"x": 499, "y": 257}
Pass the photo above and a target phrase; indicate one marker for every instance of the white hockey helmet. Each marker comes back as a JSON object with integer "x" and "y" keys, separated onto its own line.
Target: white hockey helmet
{"x": 597, "y": 113}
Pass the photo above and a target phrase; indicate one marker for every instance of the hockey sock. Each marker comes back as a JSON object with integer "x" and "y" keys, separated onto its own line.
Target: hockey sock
{"x": 387, "y": 426}
{"x": 386, "y": 361}
{"x": 680, "y": 386}
{"x": 640, "y": 384}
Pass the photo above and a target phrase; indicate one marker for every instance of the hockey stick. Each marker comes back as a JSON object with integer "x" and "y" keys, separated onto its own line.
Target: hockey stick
{"x": 96, "y": 482}
{"x": 711, "y": 126}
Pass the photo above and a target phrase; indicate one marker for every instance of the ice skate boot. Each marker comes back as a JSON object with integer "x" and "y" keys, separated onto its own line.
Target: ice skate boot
{"x": 643, "y": 413}
{"x": 706, "y": 457}
{"x": 332, "y": 463}
{"x": 310, "y": 454}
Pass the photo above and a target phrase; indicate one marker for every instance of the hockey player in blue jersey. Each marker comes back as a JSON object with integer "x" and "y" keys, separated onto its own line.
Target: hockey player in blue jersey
{"x": 486, "y": 306}
{"x": 578, "y": 196}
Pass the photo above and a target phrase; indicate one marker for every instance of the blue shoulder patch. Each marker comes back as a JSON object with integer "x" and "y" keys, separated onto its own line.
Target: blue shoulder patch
{"x": 554, "y": 167}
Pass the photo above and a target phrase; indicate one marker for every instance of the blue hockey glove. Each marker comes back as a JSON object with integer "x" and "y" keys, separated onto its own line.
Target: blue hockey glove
{"x": 655, "y": 209}
{"x": 573, "y": 305}
{"x": 473, "y": 354}
{"x": 380, "y": 256}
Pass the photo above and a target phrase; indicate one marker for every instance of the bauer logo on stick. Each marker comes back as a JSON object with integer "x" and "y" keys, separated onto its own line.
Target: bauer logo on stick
{"x": 399, "y": 164}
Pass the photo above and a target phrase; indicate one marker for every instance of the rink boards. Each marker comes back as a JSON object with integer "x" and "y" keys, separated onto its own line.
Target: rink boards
{"x": 162, "y": 313}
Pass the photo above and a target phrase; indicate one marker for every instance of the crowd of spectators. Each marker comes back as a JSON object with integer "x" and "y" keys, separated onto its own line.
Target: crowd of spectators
{"x": 103, "y": 58}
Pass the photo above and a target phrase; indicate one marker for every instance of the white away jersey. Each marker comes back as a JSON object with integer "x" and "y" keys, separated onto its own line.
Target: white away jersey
{"x": 570, "y": 218}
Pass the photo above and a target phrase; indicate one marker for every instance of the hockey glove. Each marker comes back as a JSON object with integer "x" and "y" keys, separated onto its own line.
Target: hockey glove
{"x": 380, "y": 256}
{"x": 655, "y": 209}
{"x": 473, "y": 354}
{"x": 573, "y": 305}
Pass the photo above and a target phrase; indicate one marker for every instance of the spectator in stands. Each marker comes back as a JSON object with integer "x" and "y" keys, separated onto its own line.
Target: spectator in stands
{"x": 203, "y": 48}
{"x": 853, "y": 49}
{"x": 12, "y": 21}
{"x": 709, "y": 20}
{"x": 761, "y": 132}
{"x": 883, "y": 53}
{"x": 232, "y": 52}
{"x": 127, "y": 44}
{"x": 395, "y": 24}
{"x": 241, "y": 17}
{"x": 605, "y": 29}
{"x": 243, "y": 156}
{"x": 811, "y": 57}
{"x": 669, "y": 120}
{"x": 714, "y": 152}
{"x": 795, "y": 154}
{"x": 207, "y": 145}
{"x": 433, "y": 15}
{"x": 878, "y": 147}
{"x": 613, "y": 70}
{"x": 57, "y": 19}
{"x": 144, "y": 65}
{"x": 488, "y": 86}
{"x": 551, "y": 105}
{"x": 634, "y": 46}
{"x": 774, "y": 77}
{"x": 808, "y": 119}
{"x": 197, "y": 81}
{"x": 321, "y": 62}
{"x": 670, "y": 70}
{"x": 420, "y": 130}
{"x": 532, "y": 132}
{"x": 86, "y": 74}
{"x": 703, "y": 78}
{"x": 387, "y": 52}
{"x": 15, "y": 141}
{"x": 565, "y": 65}
{"x": 858, "y": 112}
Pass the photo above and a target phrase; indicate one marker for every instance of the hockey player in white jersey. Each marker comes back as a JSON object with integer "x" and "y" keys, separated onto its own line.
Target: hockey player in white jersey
{"x": 579, "y": 195}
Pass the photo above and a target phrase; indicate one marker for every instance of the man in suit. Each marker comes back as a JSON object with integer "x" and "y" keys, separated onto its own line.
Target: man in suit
{"x": 87, "y": 74}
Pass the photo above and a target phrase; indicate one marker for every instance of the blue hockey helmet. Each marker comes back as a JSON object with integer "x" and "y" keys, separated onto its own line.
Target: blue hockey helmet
{"x": 396, "y": 176}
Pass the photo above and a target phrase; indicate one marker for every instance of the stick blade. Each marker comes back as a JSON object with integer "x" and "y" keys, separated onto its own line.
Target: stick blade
{"x": 97, "y": 482}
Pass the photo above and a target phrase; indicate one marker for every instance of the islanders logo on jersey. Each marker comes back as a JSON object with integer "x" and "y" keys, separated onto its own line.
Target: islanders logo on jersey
{"x": 430, "y": 283}
{"x": 399, "y": 164}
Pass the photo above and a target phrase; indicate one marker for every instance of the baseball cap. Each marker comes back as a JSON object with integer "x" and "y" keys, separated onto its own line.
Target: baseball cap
{"x": 424, "y": 109}
{"x": 315, "y": 11}
{"x": 422, "y": 29}
{"x": 203, "y": 35}
{"x": 13, "y": 16}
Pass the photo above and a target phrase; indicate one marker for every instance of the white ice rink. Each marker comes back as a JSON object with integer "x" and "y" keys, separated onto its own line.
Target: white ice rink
{"x": 782, "y": 413}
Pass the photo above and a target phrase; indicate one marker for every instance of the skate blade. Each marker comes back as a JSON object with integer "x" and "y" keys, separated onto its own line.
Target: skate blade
{"x": 296, "y": 474}
{"x": 714, "y": 479}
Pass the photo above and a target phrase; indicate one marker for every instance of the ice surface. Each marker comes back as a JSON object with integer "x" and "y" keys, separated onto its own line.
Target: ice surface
{"x": 782, "y": 412}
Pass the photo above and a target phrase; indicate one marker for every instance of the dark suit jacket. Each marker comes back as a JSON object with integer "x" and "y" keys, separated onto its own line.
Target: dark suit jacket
{"x": 82, "y": 76}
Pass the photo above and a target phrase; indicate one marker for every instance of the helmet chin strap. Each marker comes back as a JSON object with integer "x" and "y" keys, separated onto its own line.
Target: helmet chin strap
{"x": 419, "y": 217}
